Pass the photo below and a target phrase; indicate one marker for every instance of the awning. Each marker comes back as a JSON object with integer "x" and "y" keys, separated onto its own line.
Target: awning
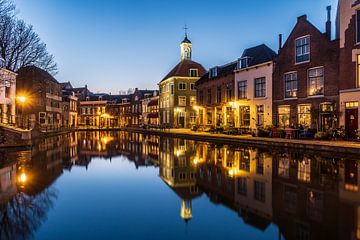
{"x": 153, "y": 115}
{"x": 153, "y": 103}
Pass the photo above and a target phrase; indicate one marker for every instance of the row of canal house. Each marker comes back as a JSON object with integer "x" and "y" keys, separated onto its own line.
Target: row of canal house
{"x": 312, "y": 81}
{"x": 296, "y": 86}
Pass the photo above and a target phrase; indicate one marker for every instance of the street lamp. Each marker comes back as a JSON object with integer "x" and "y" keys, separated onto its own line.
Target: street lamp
{"x": 22, "y": 100}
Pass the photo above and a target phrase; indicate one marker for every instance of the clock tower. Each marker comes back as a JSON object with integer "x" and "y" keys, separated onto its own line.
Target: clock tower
{"x": 185, "y": 48}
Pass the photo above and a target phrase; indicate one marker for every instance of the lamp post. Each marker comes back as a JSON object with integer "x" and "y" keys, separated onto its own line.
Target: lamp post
{"x": 22, "y": 99}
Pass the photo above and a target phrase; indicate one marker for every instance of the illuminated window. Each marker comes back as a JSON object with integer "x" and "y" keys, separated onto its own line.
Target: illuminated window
{"x": 284, "y": 116}
{"x": 182, "y": 100}
{"x": 304, "y": 170}
{"x": 192, "y": 117}
{"x": 351, "y": 104}
{"x": 316, "y": 81}
{"x": 304, "y": 115}
{"x": 290, "y": 85}
{"x": 260, "y": 115}
{"x": 302, "y": 46}
{"x": 192, "y": 100}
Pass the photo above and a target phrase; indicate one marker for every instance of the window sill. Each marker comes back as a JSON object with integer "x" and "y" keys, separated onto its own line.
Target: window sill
{"x": 299, "y": 63}
{"x": 289, "y": 99}
{"x": 316, "y": 96}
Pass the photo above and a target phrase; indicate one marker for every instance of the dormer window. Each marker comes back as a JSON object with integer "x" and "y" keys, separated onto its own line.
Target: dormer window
{"x": 213, "y": 72}
{"x": 193, "y": 72}
{"x": 87, "y": 98}
{"x": 243, "y": 62}
{"x": 100, "y": 98}
{"x": 302, "y": 48}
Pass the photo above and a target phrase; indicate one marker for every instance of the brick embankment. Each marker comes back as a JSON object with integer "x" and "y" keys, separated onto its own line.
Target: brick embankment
{"x": 345, "y": 147}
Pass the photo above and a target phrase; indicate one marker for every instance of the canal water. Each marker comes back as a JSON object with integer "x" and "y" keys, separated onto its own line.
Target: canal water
{"x": 120, "y": 185}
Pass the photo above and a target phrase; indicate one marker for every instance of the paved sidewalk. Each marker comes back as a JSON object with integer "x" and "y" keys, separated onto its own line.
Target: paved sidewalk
{"x": 332, "y": 146}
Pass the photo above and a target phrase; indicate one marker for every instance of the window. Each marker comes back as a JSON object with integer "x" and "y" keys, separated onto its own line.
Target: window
{"x": 304, "y": 115}
{"x": 304, "y": 170}
{"x": 192, "y": 101}
{"x": 42, "y": 117}
{"x": 284, "y": 116}
{"x": 193, "y": 73}
{"x": 243, "y": 62}
{"x": 242, "y": 89}
{"x": 209, "y": 96}
{"x": 229, "y": 92}
{"x": 260, "y": 87}
{"x": 245, "y": 160}
{"x": 245, "y": 116}
{"x": 218, "y": 95}
{"x": 201, "y": 97}
{"x": 290, "y": 85}
{"x": 192, "y": 117}
{"x": 182, "y": 86}
{"x": 172, "y": 89}
{"x": 260, "y": 165}
{"x": 182, "y": 100}
{"x": 260, "y": 115}
{"x": 316, "y": 81}
{"x": 241, "y": 186}
{"x": 358, "y": 26}
{"x": 358, "y": 70}
{"x": 192, "y": 86}
{"x": 259, "y": 191}
{"x": 352, "y": 104}
{"x": 302, "y": 49}
{"x": 213, "y": 72}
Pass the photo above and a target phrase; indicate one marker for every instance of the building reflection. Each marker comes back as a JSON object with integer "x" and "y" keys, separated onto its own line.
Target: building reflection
{"x": 177, "y": 170}
{"x": 304, "y": 195}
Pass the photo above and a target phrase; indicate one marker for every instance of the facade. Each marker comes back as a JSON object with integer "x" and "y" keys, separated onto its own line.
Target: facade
{"x": 305, "y": 85}
{"x": 254, "y": 83}
{"x": 150, "y": 111}
{"x": 135, "y": 115}
{"x": 348, "y": 32}
{"x": 7, "y": 96}
{"x": 42, "y": 107}
{"x": 69, "y": 106}
{"x": 215, "y": 95}
{"x": 177, "y": 90}
{"x": 92, "y": 113}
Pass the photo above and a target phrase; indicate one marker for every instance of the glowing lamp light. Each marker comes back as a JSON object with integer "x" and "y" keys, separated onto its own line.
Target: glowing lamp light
{"x": 23, "y": 178}
{"x": 22, "y": 99}
{"x": 196, "y": 108}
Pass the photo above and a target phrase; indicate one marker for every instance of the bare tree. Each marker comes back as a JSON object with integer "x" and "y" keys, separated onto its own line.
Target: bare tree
{"x": 20, "y": 45}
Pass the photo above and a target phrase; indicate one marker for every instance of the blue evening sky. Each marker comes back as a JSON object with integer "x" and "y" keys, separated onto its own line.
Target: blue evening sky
{"x": 113, "y": 45}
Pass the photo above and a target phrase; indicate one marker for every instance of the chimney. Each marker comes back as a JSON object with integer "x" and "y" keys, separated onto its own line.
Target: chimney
{"x": 280, "y": 42}
{"x": 328, "y": 23}
{"x": 302, "y": 18}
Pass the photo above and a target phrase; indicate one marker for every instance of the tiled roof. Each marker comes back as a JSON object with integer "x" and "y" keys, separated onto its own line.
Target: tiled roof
{"x": 38, "y": 71}
{"x": 182, "y": 69}
{"x": 221, "y": 71}
{"x": 259, "y": 54}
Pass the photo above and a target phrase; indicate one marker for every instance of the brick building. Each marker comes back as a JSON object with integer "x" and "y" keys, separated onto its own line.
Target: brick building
{"x": 69, "y": 106}
{"x": 43, "y": 93}
{"x": 178, "y": 92}
{"x": 348, "y": 32}
{"x": 215, "y": 93}
{"x": 305, "y": 84}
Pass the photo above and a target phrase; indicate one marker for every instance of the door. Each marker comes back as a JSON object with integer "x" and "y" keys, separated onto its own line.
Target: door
{"x": 351, "y": 122}
{"x": 181, "y": 119}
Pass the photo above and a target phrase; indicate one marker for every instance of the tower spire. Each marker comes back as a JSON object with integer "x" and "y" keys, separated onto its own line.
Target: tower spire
{"x": 186, "y": 46}
{"x": 186, "y": 30}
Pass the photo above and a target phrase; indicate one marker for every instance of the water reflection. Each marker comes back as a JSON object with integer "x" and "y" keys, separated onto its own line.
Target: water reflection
{"x": 307, "y": 195}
